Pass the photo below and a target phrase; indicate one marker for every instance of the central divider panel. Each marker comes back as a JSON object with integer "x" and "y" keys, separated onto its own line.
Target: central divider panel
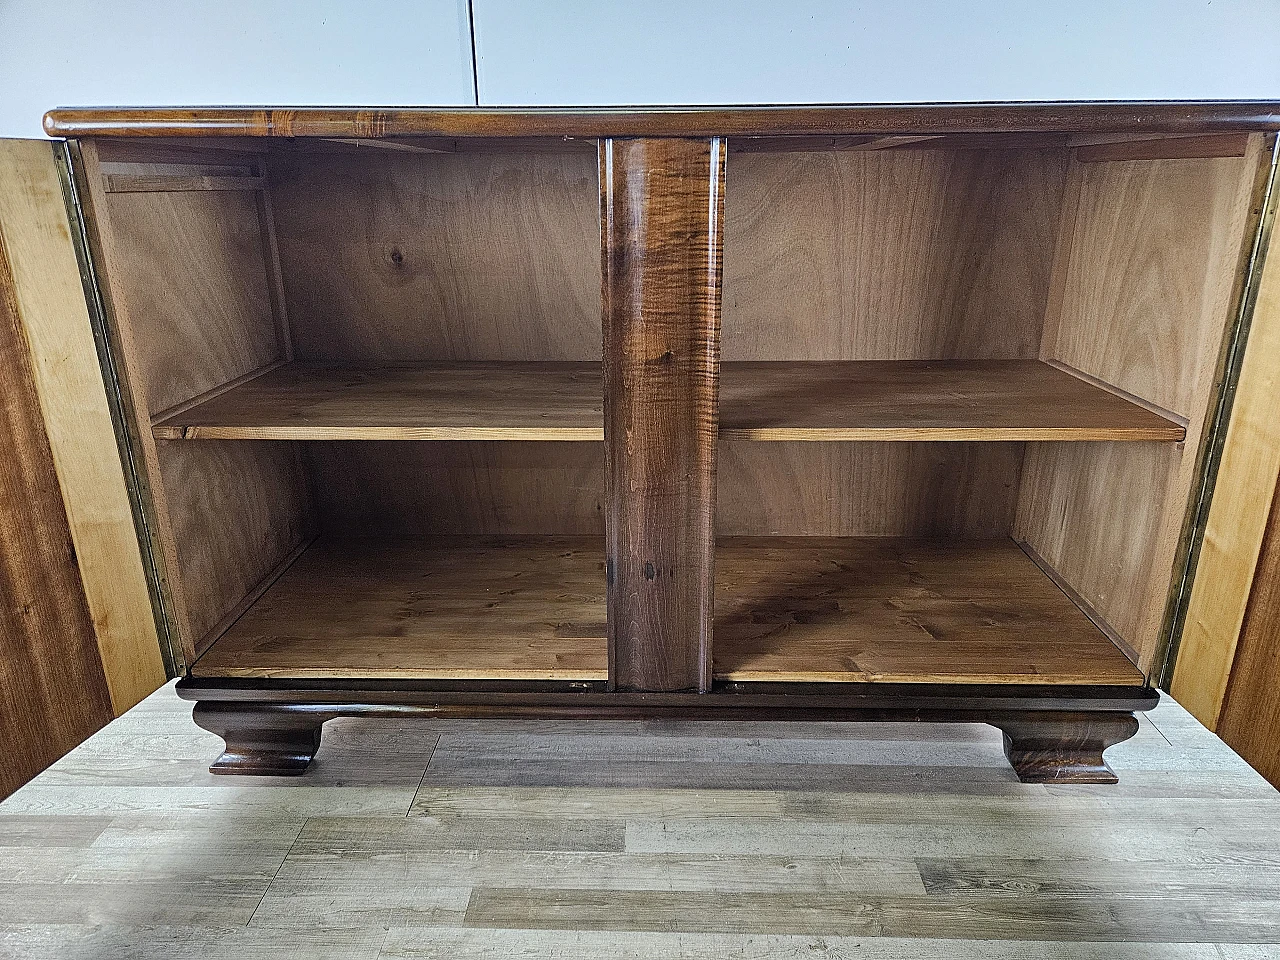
{"x": 662, "y": 213}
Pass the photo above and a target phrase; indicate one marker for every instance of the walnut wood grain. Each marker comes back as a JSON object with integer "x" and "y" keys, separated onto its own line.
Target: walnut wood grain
{"x": 456, "y": 401}
{"x": 1064, "y": 747}
{"x": 1147, "y": 288}
{"x": 261, "y": 742}
{"x": 661, "y": 205}
{"x": 190, "y": 299}
{"x": 864, "y": 119}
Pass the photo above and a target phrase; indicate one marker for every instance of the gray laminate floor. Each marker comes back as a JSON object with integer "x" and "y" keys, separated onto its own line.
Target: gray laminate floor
{"x": 628, "y": 839}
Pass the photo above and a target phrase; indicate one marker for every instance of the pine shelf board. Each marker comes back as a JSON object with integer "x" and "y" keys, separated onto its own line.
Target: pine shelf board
{"x": 456, "y": 401}
{"x": 464, "y": 608}
{"x": 890, "y": 610}
{"x": 804, "y": 609}
{"x": 972, "y": 400}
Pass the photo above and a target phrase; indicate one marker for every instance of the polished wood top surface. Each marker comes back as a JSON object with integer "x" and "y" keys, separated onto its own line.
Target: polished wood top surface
{"x": 1171, "y": 117}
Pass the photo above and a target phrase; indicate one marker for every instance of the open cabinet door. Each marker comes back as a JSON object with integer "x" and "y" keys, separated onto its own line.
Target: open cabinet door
{"x": 78, "y": 640}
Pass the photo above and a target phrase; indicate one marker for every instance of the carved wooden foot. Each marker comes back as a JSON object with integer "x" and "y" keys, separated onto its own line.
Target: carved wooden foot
{"x": 261, "y": 741}
{"x": 1064, "y": 747}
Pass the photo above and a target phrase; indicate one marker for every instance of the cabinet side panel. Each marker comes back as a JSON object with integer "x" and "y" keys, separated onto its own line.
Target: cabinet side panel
{"x": 1148, "y": 279}
{"x": 1232, "y": 577}
{"x": 53, "y": 693}
{"x": 50, "y": 297}
{"x": 189, "y": 289}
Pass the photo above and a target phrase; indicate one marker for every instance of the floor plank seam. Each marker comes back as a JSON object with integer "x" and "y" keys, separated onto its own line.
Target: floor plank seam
{"x": 422, "y": 779}
{"x": 1157, "y": 729}
{"x": 283, "y": 860}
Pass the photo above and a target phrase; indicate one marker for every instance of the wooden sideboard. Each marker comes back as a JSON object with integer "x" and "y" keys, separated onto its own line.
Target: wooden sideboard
{"x": 799, "y": 413}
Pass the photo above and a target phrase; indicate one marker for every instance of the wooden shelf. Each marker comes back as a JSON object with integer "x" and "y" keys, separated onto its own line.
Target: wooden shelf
{"x": 781, "y": 400}
{"x": 926, "y": 400}
{"x": 815, "y": 609}
{"x": 463, "y": 401}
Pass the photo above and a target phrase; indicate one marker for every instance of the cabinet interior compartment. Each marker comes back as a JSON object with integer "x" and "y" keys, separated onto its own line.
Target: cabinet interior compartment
{"x": 964, "y": 384}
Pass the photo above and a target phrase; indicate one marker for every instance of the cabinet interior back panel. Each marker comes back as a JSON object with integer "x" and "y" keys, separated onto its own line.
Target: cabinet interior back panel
{"x": 799, "y": 489}
{"x": 1146, "y": 270}
{"x": 397, "y": 257}
{"x": 901, "y": 254}
{"x": 393, "y": 256}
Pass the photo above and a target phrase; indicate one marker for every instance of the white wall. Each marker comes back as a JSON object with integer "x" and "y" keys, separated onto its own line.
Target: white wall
{"x": 821, "y": 51}
{"x": 575, "y": 52}
{"x": 175, "y": 52}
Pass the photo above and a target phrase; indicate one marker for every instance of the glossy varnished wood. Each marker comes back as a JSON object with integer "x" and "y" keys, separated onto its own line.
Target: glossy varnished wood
{"x": 661, "y": 207}
{"x": 1065, "y": 747}
{"x": 781, "y": 400}
{"x": 260, "y": 743}
{"x": 363, "y": 122}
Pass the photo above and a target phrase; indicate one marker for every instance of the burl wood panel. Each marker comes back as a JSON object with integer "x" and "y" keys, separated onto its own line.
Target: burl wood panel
{"x": 1147, "y": 267}
{"x": 661, "y": 206}
{"x": 53, "y": 692}
{"x": 188, "y": 279}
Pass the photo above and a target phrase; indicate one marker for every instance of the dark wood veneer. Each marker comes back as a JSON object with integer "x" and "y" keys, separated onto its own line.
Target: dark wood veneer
{"x": 1052, "y": 735}
{"x": 661, "y": 210}
{"x": 758, "y": 121}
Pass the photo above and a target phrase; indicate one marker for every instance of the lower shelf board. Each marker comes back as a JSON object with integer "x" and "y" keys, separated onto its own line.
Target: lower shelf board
{"x": 814, "y": 609}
